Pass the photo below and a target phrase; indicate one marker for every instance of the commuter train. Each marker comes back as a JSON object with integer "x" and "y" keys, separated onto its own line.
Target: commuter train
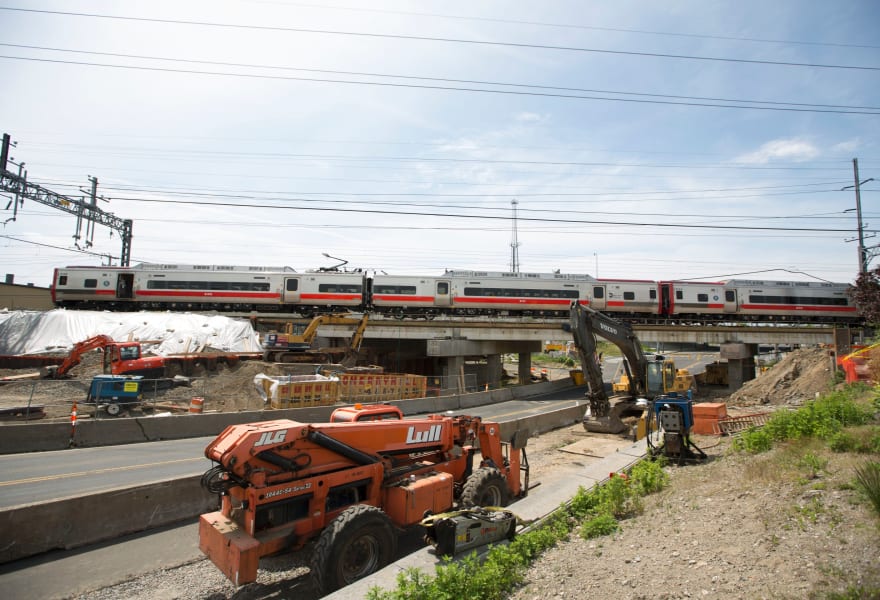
{"x": 460, "y": 293}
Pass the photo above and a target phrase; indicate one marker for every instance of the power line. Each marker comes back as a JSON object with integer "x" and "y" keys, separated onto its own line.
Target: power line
{"x": 434, "y": 39}
{"x": 583, "y": 27}
{"x": 442, "y": 79}
{"x": 491, "y": 217}
{"x": 439, "y": 87}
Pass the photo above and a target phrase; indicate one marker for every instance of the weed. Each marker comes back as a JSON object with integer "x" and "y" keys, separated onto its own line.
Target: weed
{"x": 868, "y": 482}
{"x": 813, "y": 464}
{"x": 598, "y": 526}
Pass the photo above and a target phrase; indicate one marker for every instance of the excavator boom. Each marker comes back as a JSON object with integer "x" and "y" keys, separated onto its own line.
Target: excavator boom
{"x": 585, "y": 324}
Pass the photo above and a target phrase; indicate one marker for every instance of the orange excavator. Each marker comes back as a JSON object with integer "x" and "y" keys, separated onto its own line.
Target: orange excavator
{"x": 120, "y": 358}
{"x": 348, "y": 487}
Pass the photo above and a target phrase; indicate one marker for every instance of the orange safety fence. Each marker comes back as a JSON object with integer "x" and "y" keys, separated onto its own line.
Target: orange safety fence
{"x": 856, "y": 365}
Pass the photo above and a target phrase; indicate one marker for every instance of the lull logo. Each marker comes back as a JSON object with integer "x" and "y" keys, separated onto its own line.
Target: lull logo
{"x": 420, "y": 437}
{"x": 271, "y": 437}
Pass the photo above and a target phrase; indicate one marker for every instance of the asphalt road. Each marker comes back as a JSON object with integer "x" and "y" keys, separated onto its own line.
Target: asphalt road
{"x": 47, "y": 476}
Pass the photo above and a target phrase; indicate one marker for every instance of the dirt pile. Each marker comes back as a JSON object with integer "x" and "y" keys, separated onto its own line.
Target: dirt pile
{"x": 798, "y": 377}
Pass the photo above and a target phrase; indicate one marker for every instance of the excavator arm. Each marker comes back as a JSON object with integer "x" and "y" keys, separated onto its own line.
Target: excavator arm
{"x": 76, "y": 354}
{"x": 586, "y": 323}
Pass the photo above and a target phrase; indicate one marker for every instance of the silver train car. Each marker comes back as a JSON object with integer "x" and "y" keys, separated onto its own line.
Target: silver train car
{"x": 465, "y": 293}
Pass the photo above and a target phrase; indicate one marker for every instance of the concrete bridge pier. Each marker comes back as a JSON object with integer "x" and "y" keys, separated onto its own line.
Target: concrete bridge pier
{"x": 740, "y": 363}
{"x": 453, "y": 354}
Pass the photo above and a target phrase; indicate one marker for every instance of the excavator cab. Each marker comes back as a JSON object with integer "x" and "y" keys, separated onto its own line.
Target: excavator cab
{"x": 660, "y": 376}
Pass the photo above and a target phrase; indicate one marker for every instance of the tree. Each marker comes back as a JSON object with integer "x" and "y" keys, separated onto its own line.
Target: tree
{"x": 865, "y": 293}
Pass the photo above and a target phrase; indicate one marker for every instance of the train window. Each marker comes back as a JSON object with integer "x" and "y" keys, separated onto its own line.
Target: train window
{"x": 729, "y": 296}
{"x": 292, "y": 285}
{"x": 90, "y": 283}
{"x": 219, "y": 285}
{"x": 260, "y": 286}
{"x": 795, "y": 300}
{"x": 598, "y": 292}
{"x": 702, "y": 297}
{"x": 330, "y": 288}
{"x": 394, "y": 289}
{"x": 679, "y": 295}
{"x": 629, "y": 295}
{"x": 442, "y": 288}
{"x": 652, "y": 294}
{"x": 520, "y": 293}
{"x": 62, "y": 280}
{"x": 197, "y": 285}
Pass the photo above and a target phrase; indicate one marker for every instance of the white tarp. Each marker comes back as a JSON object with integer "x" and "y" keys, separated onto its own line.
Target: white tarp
{"x": 31, "y": 332}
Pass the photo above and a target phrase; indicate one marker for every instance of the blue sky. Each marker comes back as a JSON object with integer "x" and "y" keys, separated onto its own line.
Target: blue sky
{"x": 397, "y": 136}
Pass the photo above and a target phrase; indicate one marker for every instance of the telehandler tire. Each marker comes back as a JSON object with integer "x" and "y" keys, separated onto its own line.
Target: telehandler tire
{"x": 357, "y": 543}
{"x": 485, "y": 487}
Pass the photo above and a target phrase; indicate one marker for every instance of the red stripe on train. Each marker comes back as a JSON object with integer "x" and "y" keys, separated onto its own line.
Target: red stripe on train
{"x": 851, "y": 309}
{"x": 502, "y": 300}
{"x": 399, "y": 298}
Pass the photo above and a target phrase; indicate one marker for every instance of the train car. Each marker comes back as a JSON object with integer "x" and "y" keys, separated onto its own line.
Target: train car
{"x": 790, "y": 300}
{"x": 314, "y": 292}
{"x": 526, "y": 294}
{"x": 628, "y": 299}
{"x": 695, "y": 300}
{"x": 412, "y": 296}
{"x": 206, "y": 287}
{"x": 97, "y": 288}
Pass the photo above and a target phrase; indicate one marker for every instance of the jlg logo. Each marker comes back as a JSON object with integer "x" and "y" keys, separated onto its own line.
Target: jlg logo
{"x": 270, "y": 437}
{"x": 420, "y": 437}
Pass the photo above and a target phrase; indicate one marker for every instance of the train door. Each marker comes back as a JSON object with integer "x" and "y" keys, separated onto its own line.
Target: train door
{"x": 125, "y": 286}
{"x": 667, "y": 302}
{"x": 442, "y": 293}
{"x": 291, "y": 290}
{"x": 598, "y": 301}
{"x": 730, "y": 301}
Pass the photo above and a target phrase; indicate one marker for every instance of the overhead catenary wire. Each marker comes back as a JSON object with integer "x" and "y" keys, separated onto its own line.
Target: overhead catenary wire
{"x": 440, "y": 79}
{"x": 432, "y": 39}
{"x": 445, "y": 88}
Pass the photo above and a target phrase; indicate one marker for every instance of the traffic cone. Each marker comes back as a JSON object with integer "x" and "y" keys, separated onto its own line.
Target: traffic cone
{"x": 72, "y": 422}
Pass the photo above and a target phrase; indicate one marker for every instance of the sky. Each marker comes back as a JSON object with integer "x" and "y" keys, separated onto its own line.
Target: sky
{"x": 635, "y": 139}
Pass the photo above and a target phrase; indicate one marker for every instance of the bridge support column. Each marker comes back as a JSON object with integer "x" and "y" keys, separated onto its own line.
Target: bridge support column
{"x": 493, "y": 371}
{"x": 740, "y": 363}
{"x": 525, "y": 368}
{"x": 453, "y": 374}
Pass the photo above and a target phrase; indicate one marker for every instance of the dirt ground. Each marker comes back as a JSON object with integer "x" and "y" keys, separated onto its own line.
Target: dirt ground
{"x": 738, "y": 526}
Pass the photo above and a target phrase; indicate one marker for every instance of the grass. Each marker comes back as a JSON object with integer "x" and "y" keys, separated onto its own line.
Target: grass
{"x": 595, "y": 512}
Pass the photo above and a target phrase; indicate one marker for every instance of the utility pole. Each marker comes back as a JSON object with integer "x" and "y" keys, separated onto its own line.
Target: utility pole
{"x": 863, "y": 253}
{"x": 514, "y": 245}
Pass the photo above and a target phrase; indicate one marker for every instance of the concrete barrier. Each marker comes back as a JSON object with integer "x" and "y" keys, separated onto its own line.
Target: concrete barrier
{"x": 41, "y": 437}
{"x": 72, "y": 522}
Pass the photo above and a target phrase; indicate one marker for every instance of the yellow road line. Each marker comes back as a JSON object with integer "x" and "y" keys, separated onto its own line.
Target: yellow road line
{"x": 94, "y": 472}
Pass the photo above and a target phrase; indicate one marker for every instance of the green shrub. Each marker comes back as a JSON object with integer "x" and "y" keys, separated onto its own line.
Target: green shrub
{"x": 598, "y": 526}
{"x": 823, "y": 418}
{"x": 648, "y": 476}
{"x": 754, "y": 441}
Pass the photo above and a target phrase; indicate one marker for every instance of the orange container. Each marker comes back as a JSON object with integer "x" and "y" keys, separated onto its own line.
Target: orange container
{"x": 706, "y": 417}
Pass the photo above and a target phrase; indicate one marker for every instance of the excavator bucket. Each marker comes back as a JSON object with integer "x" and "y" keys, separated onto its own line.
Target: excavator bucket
{"x": 613, "y": 422}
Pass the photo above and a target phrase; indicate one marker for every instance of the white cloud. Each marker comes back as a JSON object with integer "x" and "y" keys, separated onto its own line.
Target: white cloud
{"x": 847, "y": 146}
{"x": 795, "y": 149}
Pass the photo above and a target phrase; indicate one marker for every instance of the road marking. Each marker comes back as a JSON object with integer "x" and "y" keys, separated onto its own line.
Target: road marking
{"x": 94, "y": 472}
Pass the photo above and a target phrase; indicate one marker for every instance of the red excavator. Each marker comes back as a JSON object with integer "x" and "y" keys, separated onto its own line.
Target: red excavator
{"x": 348, "y": 487}
{"x": 120, "y": 358}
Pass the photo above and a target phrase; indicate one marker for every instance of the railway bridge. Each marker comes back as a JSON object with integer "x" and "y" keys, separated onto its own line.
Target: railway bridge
{"x": 451, "y": 346}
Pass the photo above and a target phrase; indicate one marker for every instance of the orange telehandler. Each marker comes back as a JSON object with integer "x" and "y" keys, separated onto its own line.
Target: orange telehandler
{"x": 348, "y": 487}
{"x": 120, "y": 358}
